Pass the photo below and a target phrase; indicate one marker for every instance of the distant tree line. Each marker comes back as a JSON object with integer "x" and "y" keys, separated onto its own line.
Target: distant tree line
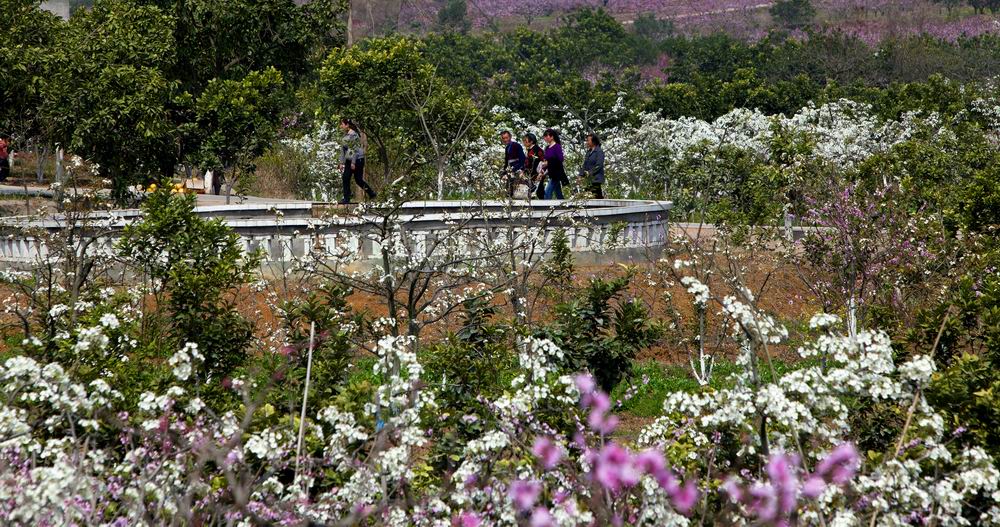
{"x": 140, "y": 87}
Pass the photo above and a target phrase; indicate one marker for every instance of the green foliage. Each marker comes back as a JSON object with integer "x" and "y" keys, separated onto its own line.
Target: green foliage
{"x": 335, "y": 324}
{"x": 559, "y": 270}
{"x": 475, "y": 364}
{"x": 371, "y": 84}
{"x": 955, "y": 173}
{"x": 647, "y": 27}
{"x": 743, "y": 189}
{"x": 237, "y": 121}
{"x": 454, "y": 16}
{"x": 409, "y": 114}
{"x": 875, "y": 425}
{"x": 25, "y": 41}
{"x": 196, "y": 267}
{"x": 793, "y": 14}
{"x": 595, "y": 37}
{"x": 230, "y": 39}
{"x": 602, "y": 332}
{"x": 968, "y": 389}
{"x": 109, "y": 98}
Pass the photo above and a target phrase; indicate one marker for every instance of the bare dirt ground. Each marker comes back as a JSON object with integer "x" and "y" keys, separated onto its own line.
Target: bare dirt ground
{"x": 782, "y": 294}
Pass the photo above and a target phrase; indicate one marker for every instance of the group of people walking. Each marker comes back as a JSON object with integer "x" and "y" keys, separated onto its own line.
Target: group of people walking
{"x": 543, "y": 171}
{"x": 528, "y": 167}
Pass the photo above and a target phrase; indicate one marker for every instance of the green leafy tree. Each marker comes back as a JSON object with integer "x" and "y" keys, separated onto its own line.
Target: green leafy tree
{"x": 196, "y": 267}
{"x": 653, "y": 29}
{"x": 966, "y": 329}
{"x": 372, "y": 84}
{"x": 239, "y": 119}
{"x": 109, "y": 97}
{"x": 595, "y": 37}
{"x": 793, "y": 14}
{"x": 25, "y": 47}
{"x": 454, "y": 16}
{"x": 602, "y": 332}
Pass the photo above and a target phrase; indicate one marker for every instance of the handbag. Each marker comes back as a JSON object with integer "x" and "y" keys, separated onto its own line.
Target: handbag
{"x": 521, "y": 191}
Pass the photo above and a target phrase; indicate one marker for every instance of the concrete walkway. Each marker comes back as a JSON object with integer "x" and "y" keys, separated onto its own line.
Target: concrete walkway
{"x": 203, "y": 199}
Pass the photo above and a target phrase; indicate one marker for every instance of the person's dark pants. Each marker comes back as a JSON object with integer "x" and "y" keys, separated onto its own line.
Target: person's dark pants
{"x": 596, "y": 190}
{"x": 540, "y": 189}
{"x": 355, "y": 170}
{"x": 4, "y": 169}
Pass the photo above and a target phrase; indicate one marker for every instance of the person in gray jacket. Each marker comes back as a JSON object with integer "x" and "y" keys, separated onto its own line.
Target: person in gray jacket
{"x": 592, "y": 171}
{"x": 352, "y": 158}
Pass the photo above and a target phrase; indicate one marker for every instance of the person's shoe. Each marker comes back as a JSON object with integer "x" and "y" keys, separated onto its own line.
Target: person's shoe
{"x": 371, "y": 194}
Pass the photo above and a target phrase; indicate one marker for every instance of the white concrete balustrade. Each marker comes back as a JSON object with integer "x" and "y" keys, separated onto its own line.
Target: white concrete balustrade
{"x": 289, "y": 232}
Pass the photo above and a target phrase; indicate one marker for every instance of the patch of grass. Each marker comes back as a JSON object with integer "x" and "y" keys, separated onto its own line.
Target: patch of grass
{"x": 363, "y": 369}
{"x": 664, "y": 379}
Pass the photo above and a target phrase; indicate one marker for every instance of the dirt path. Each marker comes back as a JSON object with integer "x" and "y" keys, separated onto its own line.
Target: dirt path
{"x": 712, "y": 12}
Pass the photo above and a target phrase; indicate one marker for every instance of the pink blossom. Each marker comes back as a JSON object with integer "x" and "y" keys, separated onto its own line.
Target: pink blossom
{"x": 651, "y": 462}
{"x": 601, "y": 422}
{"x": 685, "y": 497}
{"x": 840, "y": 465}
{"x": 525, "y": 493}
{"x": 813, "y": 487}
{"x": 542, "y": 518}
{"x": 781, "y": 470}
{"x": 585, "y": 383}
{"x": 547, "y": 452}
{"x": 764, "y": 502}
{"x": 466, "y": 519}
{"x": 614, "y": 468}
{"x": 732, "y": 488}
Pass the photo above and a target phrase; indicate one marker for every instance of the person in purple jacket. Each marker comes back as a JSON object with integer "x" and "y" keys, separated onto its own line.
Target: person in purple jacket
{"x": 554, "y": 166}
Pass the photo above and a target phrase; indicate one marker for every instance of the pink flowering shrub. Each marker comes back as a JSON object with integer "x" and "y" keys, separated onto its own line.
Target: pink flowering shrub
{"x": 74, "y": 453}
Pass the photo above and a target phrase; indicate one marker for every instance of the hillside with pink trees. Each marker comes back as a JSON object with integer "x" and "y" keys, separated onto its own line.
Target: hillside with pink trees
{"x": 751, "y": 19}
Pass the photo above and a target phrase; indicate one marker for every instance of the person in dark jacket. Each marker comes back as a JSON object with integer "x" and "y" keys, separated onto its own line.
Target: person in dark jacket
{"x": 555, "y": 170}
{"x": 532, "y": 164}
{"x": 352, "y": 158}
{"x": 592, "y": 171}
{"x": 513, "y": 161}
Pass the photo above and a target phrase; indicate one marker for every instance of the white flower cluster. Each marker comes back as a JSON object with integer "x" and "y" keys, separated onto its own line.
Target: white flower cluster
{"x": 90, "y": 339}
{"x": 698, "y": 290}
{"x": 810, "y": 403}
{"x": 843, "y": 132}
{"x": 750, "y": 322}
{"x": 322, "y": 152}
{"x": 183, "y": 361}
{"x": 824, "y": 321}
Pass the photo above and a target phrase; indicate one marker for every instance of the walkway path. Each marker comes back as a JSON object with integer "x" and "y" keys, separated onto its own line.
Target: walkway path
{"x": 203, "y": 199}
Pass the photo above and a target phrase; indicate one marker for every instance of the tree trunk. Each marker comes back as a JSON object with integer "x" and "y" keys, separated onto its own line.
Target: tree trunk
{"x": 60, "y": 180}
{"x": 440, "y": 171}
{"x": 852, "y": 317}
{"x": 41, "y": 152}
{"x": 350, "y": 23}
{"x": 229, "y": 183}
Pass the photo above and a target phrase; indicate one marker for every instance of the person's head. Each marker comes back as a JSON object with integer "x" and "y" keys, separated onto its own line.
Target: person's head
{"x": 530, "y": 140}
{"x": 347, "y": 124}
{"x": 593, "y": 141}
{"x": 505, "y": 137}
{"x": 551, "y": 136}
